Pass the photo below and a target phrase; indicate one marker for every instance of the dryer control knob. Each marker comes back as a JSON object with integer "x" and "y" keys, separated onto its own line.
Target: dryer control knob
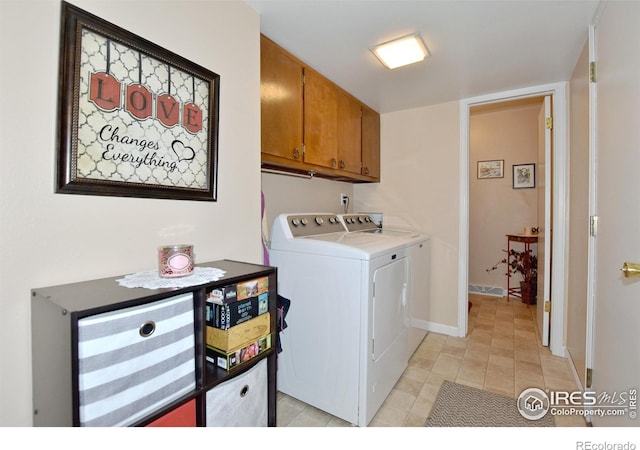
{"x": 304, "y": 221}
{"x": 319, "y": 220}
{"x": 295, "y": 222}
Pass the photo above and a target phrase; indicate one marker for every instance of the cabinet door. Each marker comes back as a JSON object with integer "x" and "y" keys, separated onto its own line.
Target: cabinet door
{"x": 281, "y": 94}
{"x": 320, "y": 120}
{"x": 349, "y": 133}
{"x": 370, "y": 143}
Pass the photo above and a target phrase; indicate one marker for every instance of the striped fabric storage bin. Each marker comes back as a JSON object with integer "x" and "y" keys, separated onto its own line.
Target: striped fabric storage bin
{"x": 135, "y": 360}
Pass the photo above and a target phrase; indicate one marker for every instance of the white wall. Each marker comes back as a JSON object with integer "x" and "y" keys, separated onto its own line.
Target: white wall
{"x": 419, "y": 188}
{"x": 287, "y": 194}
{"x": 48, "y": 238}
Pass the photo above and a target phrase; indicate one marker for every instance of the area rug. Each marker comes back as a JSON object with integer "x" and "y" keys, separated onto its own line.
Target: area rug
{"x": 457, "y": 405}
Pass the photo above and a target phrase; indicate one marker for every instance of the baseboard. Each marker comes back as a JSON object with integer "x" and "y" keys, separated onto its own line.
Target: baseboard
{"x": 440, "y": 328}
{"x": 434, "y": 327}
{"x": 494, "y": 291}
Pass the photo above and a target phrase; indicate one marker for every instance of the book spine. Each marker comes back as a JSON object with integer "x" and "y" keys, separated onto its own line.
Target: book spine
{"x": 232, "y": 314}
{"x": 209, "y": 314}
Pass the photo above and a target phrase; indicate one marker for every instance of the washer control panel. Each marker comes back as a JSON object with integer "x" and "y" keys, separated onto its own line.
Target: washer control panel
{"x": 312, "y": 224}
{"x": 359, "y": 222}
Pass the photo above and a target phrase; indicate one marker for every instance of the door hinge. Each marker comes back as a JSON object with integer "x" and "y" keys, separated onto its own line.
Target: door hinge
{"x": 593, "y": 226}
{"x": 589, "y": 377}
{"x": 592, "y": 71}
{"x": 549, "y": 123}
{"x": 547, "y": 306}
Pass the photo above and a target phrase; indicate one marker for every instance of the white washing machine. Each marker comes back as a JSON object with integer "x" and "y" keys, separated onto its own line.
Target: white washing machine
{"x": 418, "y": 253}
{"x": 345, "y": 345}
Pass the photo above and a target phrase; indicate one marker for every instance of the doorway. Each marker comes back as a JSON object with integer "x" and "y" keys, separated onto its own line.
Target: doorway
{"x": 503, "y": 134}
{"x": 558, "y": 179}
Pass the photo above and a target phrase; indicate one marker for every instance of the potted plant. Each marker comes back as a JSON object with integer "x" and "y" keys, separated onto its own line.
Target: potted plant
{"x": 526, "y": 264}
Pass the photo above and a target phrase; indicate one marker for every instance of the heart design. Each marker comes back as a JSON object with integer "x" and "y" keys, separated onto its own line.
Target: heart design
{"x": 183, "y": 152}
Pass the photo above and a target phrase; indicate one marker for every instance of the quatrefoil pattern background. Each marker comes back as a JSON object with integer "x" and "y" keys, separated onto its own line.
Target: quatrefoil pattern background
{"x": 129, "y": 66}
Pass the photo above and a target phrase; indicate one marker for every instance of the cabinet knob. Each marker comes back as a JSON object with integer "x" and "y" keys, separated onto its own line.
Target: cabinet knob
{"x": 366, "y": 171}
{"x": 296, "y": 153}
{"x": 342, "y": 164}
{"x": 334, "y": 162}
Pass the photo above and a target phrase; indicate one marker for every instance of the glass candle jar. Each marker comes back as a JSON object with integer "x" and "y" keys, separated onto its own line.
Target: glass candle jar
{"x": 175, "y": 261}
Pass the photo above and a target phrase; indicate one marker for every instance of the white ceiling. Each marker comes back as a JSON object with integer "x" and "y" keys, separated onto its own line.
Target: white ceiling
{"x": 477, "y": 47}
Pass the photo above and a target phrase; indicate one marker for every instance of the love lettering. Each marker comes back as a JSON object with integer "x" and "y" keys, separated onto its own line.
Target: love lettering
{"x": 108, "y": 94}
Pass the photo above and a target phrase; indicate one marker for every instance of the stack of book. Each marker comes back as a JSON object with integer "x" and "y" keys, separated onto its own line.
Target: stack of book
{"x": 238, "y": 323}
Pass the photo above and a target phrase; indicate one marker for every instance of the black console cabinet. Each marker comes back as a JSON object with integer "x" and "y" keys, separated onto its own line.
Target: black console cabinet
{"x": 91, "y": 339}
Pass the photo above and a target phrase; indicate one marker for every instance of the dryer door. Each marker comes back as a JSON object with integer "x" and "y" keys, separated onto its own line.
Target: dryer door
{"x": 389, "y": 303}
{"x": 388, "y": 357}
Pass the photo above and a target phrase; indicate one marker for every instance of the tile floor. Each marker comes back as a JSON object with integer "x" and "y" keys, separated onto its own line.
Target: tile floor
{"x": 501, "y": 354}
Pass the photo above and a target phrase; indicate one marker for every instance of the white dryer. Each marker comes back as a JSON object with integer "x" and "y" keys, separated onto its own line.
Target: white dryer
{"x": 418, "y": 253}
{"x": 345, "y": 344}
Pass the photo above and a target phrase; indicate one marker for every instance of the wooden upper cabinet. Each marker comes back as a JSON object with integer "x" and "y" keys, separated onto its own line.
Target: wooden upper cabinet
{"x": 281, "y": 89}
{"x": 349, "y": 134}
{"x": 320, "y": 120}
{"x": 311, "y": 125}
{"x": 370, "y": 143}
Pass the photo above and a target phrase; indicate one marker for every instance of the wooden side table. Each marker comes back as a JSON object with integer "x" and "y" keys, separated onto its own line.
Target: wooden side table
{"x": 526, "y": 240}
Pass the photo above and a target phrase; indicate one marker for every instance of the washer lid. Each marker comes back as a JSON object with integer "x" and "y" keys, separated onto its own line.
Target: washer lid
{"x": 287, "y": 236}
{"x": 363, "y": 223}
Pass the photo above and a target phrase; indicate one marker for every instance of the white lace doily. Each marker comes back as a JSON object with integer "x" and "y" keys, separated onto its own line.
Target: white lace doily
{"x": 151, "y": 279}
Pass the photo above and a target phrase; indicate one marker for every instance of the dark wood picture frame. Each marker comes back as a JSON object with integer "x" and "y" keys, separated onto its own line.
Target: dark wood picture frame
{"x": 524, "y": 176}
{"x": 134, "y": 119}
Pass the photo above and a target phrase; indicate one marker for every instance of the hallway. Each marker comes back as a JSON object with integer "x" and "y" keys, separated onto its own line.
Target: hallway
{"x": 501, "y": 354}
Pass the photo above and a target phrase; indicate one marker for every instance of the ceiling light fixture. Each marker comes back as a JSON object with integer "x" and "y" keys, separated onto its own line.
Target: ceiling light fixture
{"x": 402, "y": 51}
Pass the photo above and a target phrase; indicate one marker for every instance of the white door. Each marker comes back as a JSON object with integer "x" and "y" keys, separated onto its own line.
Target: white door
{"x": 616, "y": 357}
{"x": 580, "y": 252}
{"x": 545, "y": 233}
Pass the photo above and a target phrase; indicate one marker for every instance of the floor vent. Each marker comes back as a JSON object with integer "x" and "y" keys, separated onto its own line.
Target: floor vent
{"x": 487, "y": 290}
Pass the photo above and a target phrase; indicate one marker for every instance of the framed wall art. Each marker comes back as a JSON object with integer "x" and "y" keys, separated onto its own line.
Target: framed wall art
{"x": 134, "y": 119}
{"x": 491, "y": 169}
{"x": 524, "y": 176}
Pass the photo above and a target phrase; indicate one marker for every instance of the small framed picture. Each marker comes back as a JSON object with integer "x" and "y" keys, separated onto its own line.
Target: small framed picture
{"x": 524, "y": 176}
{"x": 491, "y": 169}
